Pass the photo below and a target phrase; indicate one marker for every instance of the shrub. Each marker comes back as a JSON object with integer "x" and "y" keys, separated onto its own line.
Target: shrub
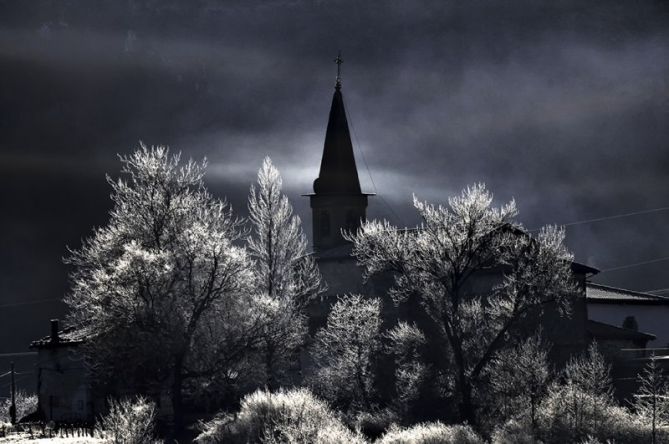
{"x": 570, "y": 414}
{"x": 431, "y": 433}
{"x": 129, "y": 422}
{"x": 514, "y": 432}
{"x": 25, "y": 404}
{"x": 374, "y": 424}
{"x": 286, "y": 416}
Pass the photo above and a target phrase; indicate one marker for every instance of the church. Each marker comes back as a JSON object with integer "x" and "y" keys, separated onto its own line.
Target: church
{"x": 338, "y": 204}
{"x": 623, "y": 322}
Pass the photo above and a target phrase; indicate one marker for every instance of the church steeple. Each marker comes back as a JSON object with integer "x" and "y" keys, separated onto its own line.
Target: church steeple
{"x": 337, "y": 203}
{"x": 338, "y": 173}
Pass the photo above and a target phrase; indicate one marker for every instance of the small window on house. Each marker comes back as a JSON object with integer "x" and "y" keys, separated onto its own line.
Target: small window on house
{"x": 325, "y": 223}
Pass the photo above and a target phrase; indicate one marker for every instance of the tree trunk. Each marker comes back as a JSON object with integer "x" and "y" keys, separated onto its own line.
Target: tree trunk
{"x": 467, "y": 412}
{"x": 654, "y": 415}
{"x": 177, "y": 396}
{"x": 269, "y": 368}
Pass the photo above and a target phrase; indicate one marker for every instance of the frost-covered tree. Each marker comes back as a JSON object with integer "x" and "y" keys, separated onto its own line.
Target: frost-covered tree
{"x": 162, "y": 288}
{"x": 343, "y": 352}
{"x": 443, "y": 262}
{"x": 285, "y": 270}
{"x": 651, "y": 402}
{"x": 590, "y": 372}
{"x": 282, "y": 333}
{"x": 519, "y": 378}
{"x": 587, "y": 390}
{"x": 286, "y": 276}
{"x": 404, "y": 344}
{"x": 129, "y": 422}
{"x": 25, "y": 405}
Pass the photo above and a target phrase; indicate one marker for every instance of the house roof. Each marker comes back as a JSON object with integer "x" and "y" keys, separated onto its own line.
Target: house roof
{"x": 602, "y": 294}
{"x": 66, "y": 337}
{"x": 600, "y": 330}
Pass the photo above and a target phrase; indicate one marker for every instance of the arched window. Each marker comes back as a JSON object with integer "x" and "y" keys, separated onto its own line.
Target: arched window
{"x": 325, "y": 223}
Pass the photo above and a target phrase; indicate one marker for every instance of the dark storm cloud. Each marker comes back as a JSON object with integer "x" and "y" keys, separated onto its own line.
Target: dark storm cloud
{"x": 562, "y": 105}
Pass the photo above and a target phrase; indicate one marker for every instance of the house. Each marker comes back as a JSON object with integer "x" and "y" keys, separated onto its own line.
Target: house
{"x": 338, "y": 203}
{"x": 63, "y": 386}
{"x": 623, "y": 322}
{"x": 630, "y": 309}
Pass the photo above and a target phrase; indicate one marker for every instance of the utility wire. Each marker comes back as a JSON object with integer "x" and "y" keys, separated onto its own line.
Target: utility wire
{"x": 7, "y": 355}
{"x": 17, "y": 373}
{"x": 369, "y": 173}
{"x": 612, "y": 217}
{"x": 38, "y": 301}
{"x": 616, "y": 216}
{"x": 620, "y": 216}
{"x": 636, "y": 264}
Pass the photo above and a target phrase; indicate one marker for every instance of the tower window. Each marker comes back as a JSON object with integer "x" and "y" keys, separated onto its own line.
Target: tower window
{"x": 325, "y": 223}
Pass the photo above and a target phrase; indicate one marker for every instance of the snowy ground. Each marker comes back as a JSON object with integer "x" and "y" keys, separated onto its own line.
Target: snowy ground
{"x": 26, "y": 438}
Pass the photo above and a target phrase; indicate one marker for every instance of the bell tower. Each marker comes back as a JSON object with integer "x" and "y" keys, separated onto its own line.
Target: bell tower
{"x": 337, "y": 202}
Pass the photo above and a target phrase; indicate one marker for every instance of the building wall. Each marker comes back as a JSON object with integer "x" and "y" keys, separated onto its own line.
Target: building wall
{"x": 63, "y": 385}
{"x": 653, "y": 319}
{"x": 343, "y": 276}
{"x": 331, "y": 214}
{"x": 566, "y": 334}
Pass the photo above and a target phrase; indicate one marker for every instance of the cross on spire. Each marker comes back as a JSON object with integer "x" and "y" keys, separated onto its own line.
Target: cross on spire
{"x": 338, "y": 61}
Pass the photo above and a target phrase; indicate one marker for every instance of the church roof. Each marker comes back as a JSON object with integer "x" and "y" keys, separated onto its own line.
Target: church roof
{"x": 338, "y": 173}
{"x": 597, "y": 293}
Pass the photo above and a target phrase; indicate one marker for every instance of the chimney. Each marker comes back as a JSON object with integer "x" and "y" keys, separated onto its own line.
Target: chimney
{"x": 54, "y": 330}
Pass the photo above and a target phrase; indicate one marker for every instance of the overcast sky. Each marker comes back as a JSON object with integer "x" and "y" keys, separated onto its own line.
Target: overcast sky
{"x": 562, "y": 105}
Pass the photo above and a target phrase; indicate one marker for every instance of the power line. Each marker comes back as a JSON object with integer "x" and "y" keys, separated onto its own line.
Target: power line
{"x": 620, "y": 216}
{"x": 612, "y": 217}
{"x": 616, "y": 216}
{"x": 369, "y": 173}
{"x": 7, "y": 355}
{"x": 17, "y": 373}
{"x": 38, "y": 301}
{"x": 636, "y": 264}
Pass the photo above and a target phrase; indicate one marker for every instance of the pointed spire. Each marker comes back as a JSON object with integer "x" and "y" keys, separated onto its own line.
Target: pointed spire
{"x": 338, "y": 174}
